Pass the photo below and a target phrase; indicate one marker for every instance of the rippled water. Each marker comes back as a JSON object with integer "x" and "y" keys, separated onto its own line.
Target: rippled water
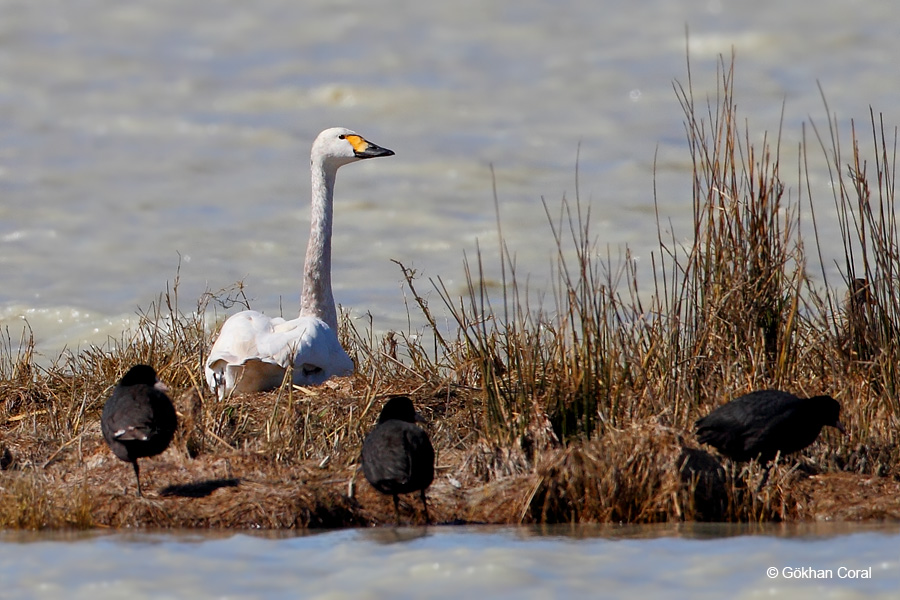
{"x": 138, "y": 135}
{"x": 690, "y": 561}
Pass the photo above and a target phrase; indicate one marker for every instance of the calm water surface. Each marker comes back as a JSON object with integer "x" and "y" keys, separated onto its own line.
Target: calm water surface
{"x": 137, "y": 135}
{"x": 700, "y": 561}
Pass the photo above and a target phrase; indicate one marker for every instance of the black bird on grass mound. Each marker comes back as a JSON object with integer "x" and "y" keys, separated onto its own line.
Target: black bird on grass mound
{"x": 763, "y": 423}
{"x": 138, "y": 419}
{"x": 397, "y": 456}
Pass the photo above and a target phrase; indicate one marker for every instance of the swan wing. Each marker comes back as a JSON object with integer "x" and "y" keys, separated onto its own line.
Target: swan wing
{"x": 253, "y": 351}
{"x": 239, "y": 338}
{"x": 314, "y": 350}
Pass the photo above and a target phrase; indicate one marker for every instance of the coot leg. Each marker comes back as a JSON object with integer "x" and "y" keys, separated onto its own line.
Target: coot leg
{"x": 397, "y": 510}
{"x": 425, "y": 507}
{"x": 137, "y": 476}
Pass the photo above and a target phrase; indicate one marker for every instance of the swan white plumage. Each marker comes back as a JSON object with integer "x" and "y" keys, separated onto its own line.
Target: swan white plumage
{"x": 253, "y": 351}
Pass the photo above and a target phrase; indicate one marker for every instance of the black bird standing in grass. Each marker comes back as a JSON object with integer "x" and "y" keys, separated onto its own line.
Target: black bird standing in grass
{"x": 763, "y": 423}
{"x": 138, "y": 419}
{"x": 397, "y": 456}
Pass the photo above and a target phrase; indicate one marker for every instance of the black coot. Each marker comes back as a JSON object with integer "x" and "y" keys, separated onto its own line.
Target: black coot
{"x": 397, "y": 456}
{"x": 763, "y": 423}
{"x": 138, "y": 419}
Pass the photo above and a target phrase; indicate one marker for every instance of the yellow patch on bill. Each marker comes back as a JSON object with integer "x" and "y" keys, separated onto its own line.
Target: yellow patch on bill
{"x": 358, "y": 142}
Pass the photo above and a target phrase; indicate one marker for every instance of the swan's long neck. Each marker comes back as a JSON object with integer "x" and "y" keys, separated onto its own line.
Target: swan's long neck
{"x": 317, "y": 299}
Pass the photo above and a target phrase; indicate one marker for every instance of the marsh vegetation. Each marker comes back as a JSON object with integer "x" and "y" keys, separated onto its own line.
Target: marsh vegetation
{"x": 577, "y": 406}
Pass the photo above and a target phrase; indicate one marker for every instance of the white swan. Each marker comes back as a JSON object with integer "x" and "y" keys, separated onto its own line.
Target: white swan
{"x": 253, "y": 351}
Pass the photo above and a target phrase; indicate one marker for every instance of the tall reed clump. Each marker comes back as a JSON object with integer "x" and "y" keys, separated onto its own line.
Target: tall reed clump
{"x": 532, "y": 363}
{"x": 862, "y": 324}
{"x": 731, "y": 300}
{"x": 865, "y": 321}
{"x": 723, "y": 315}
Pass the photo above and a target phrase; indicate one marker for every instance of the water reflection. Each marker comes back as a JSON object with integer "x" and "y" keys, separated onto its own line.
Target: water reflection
{"x": 395, "y": 535}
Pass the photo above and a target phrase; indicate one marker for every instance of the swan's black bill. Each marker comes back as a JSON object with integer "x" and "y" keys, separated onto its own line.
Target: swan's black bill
{"x": 372, "y": 151}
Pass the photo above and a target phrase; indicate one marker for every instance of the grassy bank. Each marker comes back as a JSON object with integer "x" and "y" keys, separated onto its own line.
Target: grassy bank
{"x": 579, "y": 409}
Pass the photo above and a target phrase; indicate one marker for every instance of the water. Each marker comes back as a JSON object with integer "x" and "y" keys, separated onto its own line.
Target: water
{"x": 137, "y": 137}
{"x": 688, "y": 561}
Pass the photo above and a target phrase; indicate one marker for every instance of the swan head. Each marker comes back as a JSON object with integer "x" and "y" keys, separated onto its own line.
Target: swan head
{"x": 338, "y": 146}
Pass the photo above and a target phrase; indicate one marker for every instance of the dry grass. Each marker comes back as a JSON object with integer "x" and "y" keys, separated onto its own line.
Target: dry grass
{"x": 580, "y": 411}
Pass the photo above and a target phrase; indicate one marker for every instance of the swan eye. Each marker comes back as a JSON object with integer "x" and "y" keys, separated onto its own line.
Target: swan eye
{"x": 342, "y": 137}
